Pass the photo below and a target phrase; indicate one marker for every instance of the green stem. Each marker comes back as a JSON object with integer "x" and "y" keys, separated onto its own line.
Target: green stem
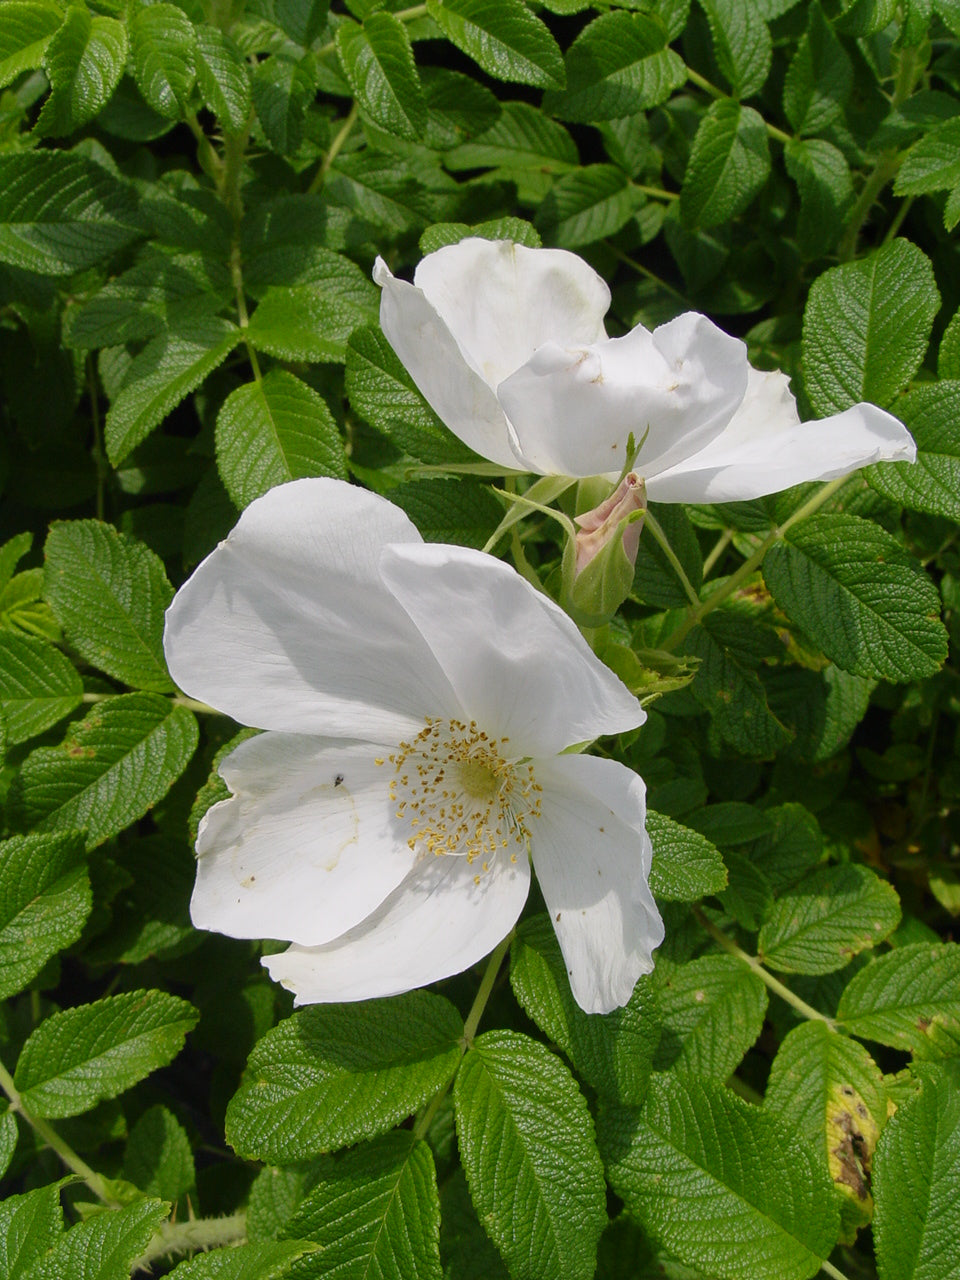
{"x": 546, "y": 489}
{"x": 653, "y": 524}
{"x": 99, "y": 453}
{"x": 830, "y": 1270}
{"x": 73, "y": 1162}
{"x": 210, "y": 162}
{"x": 717, "y": 94}
{"x": 716, "y": 551}
{"x": 336, "y": 146}
{"x": 188, "y": 1237}
{"x": 750, "y": 565}
{"x": 422, "y": 1127}
{"x": 645, "y": 271}
{"x": 805, "y": 1010}
{"x": 656, "y": 193}
{"x": 404, "y": 15}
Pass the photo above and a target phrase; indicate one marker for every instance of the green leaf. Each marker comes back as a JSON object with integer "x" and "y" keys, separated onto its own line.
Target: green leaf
{"x": 464, "y": 511}
{"x": 917, "y": 1183}
{"x": 8, "y": 1145}
{"x": 613, "y": 1052}
{"x": 713, "y": 1009}
{"x": 30, "y": 1226}
{"x": 503, "y": 37}
{"x": 109, "y": 593}
{"x": 262, "y": 1261}
{"x": 163, "y": 46}
{"x": 223, "y": 78}
{"x": 272, "y": 431}
{"x": 24, "y": 35}
{"x": 527, "y": 1146}
{"x": 686, "y": 866}
{"x": 826, "y": 1087}
{"x": 158, "y": 1158}
{"x": 824, "y": 181}
{"x": 728, "y": 686}
{"x": 720, "y": 1182}
{"x": 44, "y": 903}
{"x": 38, "y": 686}
{"x": 79, "y": 1056}
{"x": 84, "y": 62}
{"x": 819, "y": 78}
{"x": 933, "y": 163}
{"x": 103, "y": 1247}
{"x": 375, "y": 1212}
{"x": 111, "y": 768}
{"x": 932, "y": 416}
{"x": 866, "y": 326}
{"x": 466, "y": 1250}
{"x": 792, "y": 846}
{"x": 522, "y": 139}
{"x": 507, "y": 228}
{"x": 908, "y": 999}
{"x": 729, "y": 163}
{"x": 305, "y": 322}
{"x": 587, "y": 205}
{"x": 859, "y": 596}
{"x": 282, "y": 90}
{"x": 948, "y": 357}
{"x": 166, "y": 370}
{"x": 378, "y": 62}
{"x": 618, "y": 65}
{"x": 655, "y": 580}
{"x": 60, "y": 212}
{"x": 827, "y": 919}
{"x": 333, "y": 1074}
{"x": 741, "y": 44}
{"x": 381, "y": 391}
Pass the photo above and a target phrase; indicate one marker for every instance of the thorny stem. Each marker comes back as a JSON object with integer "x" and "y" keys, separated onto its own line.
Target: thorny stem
{"x": 196, "y": 1233}
{"x": 751, "y": 564}
{"x": 805, "y": 1010}
{"x": 73, "y": 1162}
{"x": 334, "y": 150}
{"x": 484, "y": 991}
{"x": 653, "y": 524}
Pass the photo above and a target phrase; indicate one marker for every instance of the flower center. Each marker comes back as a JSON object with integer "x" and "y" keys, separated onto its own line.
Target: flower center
{"x": 462, "y": 794}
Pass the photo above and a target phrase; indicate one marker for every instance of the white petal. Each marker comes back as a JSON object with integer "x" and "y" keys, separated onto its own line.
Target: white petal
{"x": 502, "y": 300}
{"x": 592, "y": 857}
{"x": 446, "y": 377}
{"x": 441, "y": 920}
{"x": 573, "y": 406}
{"x": 520, "y": 667}
{"x": 766, "y": 448}
{"x": 306, "y": 847}
{"x": 286, "y": 625}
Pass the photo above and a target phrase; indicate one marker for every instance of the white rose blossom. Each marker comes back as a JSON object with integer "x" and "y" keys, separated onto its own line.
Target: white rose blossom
{"x": 417, "y": 699}
{"x": 507, "y": 345}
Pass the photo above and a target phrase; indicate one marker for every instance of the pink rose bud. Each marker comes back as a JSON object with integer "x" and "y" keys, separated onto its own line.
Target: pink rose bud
{"x": 598, "y": 526}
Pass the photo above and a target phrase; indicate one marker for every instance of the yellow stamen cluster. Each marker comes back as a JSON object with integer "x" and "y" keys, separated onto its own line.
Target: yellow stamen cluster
{"x": 461, "y": 794}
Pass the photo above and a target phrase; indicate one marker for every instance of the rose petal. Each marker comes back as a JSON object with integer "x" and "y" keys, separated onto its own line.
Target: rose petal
{"x": 502, "y": 300}
{"x": 519, "y": 666}
{"x": 287, "y": 625}
{"x": 592, "y": 857}
{"x": 306, "y": 847}
{"x": 443, "y": 918}
{"x": 766, "y": 448}
{"x": 573, "y": 407}
{"x": 446, "y": 377}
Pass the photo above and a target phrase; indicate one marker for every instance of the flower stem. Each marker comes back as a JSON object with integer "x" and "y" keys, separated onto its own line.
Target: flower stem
{"x": 96, "y": 1183}
{"x": 653, "y": 524}
{"x": 805, "y": 1010}
{"x": 178, "y": 700}
{"x": 422, "y": 1127}
{"x": 751, "y": 564}
{"x": 197, "y": 1233}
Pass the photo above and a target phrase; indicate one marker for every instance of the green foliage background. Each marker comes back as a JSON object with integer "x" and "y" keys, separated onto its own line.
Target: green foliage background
{"x": 191, "y": 199}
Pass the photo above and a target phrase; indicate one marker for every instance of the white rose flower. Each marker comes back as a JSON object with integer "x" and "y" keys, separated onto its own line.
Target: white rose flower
{"x": 417, "y": 699}
{"x": 508, "y": 347}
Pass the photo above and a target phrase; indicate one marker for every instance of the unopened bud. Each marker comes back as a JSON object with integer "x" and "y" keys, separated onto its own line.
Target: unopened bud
{"x": 598, "y": 565}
